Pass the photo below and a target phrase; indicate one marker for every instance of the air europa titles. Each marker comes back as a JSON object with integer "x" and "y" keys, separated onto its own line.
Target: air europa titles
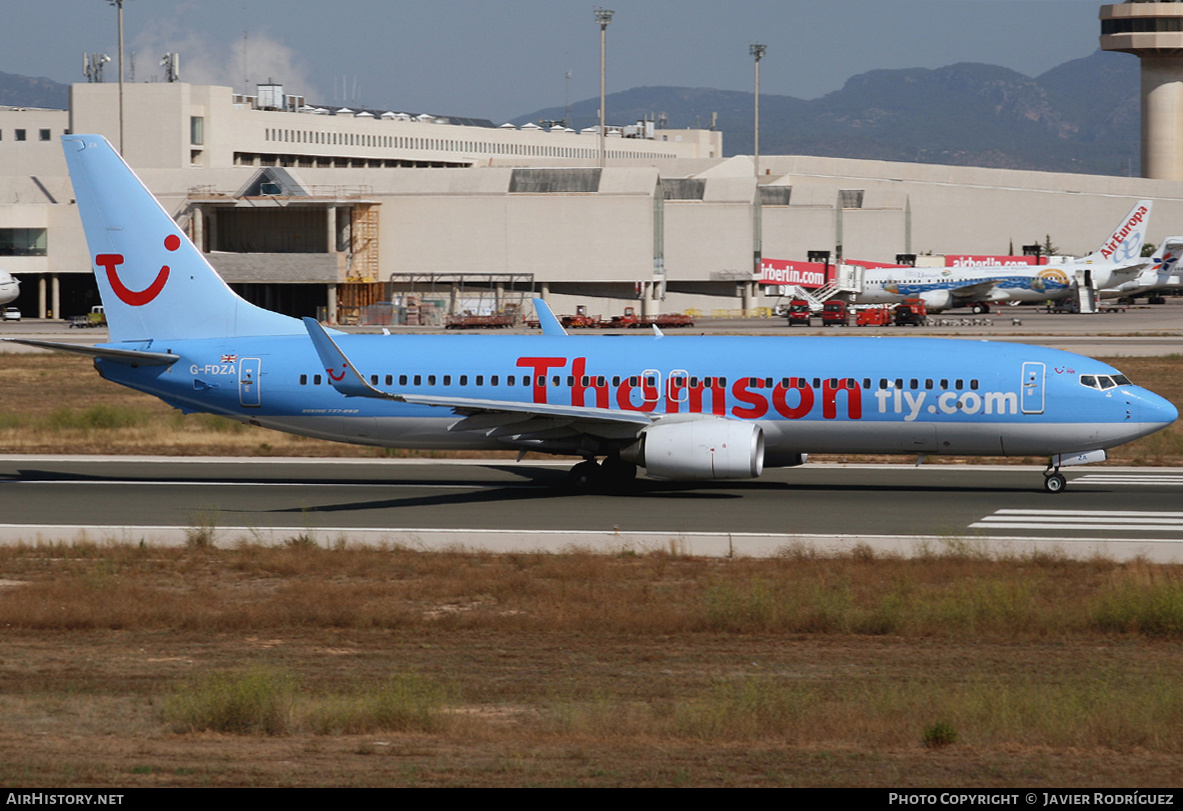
{"x": 1108, "y": 249}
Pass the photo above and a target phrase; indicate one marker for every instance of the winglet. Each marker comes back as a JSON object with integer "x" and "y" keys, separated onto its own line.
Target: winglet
{"x": 343, "y": 375}
{"x": 546, "y": 319}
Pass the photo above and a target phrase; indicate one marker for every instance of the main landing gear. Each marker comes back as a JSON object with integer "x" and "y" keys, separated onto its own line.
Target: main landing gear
{"x": 611, "y": 474}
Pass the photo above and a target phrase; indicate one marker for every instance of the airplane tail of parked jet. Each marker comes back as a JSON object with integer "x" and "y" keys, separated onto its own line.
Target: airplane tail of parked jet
{"x": 1124, "y": 245}
{"x": 154, "y": 282}
{"x": 1161, "y": 272}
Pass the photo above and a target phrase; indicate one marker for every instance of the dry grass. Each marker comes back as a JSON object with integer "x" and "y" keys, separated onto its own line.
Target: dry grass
{"x": 294, "y": 665}
{"x": 51, "y": 402}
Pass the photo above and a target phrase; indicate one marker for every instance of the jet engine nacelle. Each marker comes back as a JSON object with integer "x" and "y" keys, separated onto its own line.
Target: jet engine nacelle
{"x": 701, "y": 449}
{"x": 937, "y": 300}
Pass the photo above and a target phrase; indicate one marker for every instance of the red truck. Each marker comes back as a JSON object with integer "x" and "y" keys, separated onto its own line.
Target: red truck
{"x": 835, "y": 313}
{"x": 581, "y": 320}
{"x": 911, "y": 312}
{"x": 630, "y": 320}
{"x": 798, "y": 313}
{"x": 873, "y": 317}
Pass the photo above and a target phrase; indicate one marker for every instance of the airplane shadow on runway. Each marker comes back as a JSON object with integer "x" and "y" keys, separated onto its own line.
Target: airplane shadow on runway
{"x": 531, "y": 484}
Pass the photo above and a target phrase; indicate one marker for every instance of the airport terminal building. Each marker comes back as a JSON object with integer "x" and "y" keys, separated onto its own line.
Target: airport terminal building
{"x": 311, "y": 210}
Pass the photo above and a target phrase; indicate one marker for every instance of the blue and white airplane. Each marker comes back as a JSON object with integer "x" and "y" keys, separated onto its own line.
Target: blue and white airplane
{"x": 688, "y": 408}
{"x": 1118, "y": 260}
{"x": 10, "y": 287}
{"x": 1162, "y": 273}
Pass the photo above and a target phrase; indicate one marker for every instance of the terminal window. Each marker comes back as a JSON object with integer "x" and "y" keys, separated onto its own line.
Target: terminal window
{"x": 22, "y": 241}
{"x": 43, "y": 135}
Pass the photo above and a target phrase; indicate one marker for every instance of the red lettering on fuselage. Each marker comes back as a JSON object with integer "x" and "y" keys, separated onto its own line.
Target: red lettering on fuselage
{"x": 750, "y": 397}
{"x": 780, "y": 399}
{"x": 541, "y": 366}
{"x": 757, "y": 406}
{"x": 579, "y": 371}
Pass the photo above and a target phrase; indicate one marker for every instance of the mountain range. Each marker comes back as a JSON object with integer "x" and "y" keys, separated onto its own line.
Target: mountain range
{"x": 1082, "y": 116}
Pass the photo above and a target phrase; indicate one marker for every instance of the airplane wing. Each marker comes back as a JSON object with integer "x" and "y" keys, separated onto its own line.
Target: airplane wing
{"x": 345, "y": 378}
{"x": 1128, "y": 271}
{"x": 978, "y": 291}
{"x": 132, "y": 357}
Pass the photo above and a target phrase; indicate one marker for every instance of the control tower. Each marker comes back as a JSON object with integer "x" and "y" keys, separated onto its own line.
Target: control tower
{"x": 1154, "y": 33}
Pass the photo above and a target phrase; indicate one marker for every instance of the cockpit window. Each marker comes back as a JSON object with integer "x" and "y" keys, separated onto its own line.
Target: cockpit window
{"x": 1104, "y": 382}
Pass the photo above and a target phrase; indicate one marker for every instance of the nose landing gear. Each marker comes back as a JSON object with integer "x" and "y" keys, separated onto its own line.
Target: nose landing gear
{"x": 1054, "y": 482}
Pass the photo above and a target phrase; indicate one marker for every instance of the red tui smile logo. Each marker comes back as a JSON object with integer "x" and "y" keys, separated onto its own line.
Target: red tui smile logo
{"x": 136, "y": 298}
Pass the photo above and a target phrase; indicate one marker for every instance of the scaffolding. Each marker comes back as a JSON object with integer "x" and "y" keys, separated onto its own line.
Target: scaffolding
{"x": 461, "y": 300}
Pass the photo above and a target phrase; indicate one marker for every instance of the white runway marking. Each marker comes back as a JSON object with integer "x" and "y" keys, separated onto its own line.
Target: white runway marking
{"x": 1093, "y": 520}
{"x": 1169, "y": 479}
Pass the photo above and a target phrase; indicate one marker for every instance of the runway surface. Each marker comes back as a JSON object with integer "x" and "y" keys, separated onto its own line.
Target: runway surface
{"x": 503, "y": 506}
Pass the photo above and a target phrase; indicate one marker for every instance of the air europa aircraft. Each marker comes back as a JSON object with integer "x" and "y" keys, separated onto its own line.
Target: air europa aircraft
{"x": 1118, "y": 260}
{"x": 692, "y": 408}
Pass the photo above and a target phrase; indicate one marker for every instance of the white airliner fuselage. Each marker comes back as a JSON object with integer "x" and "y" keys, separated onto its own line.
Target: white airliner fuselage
{"x": 1116, "y": 261}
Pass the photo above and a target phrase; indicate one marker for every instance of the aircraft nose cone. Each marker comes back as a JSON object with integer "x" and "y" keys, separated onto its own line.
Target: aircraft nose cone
{"x": 1157, "y": 410}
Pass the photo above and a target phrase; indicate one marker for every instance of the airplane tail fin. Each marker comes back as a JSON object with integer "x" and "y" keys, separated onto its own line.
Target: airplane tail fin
{"x": 1166, "y": 255}
{"x": 154, "y": 282}
{"x": 1124, "y": 245}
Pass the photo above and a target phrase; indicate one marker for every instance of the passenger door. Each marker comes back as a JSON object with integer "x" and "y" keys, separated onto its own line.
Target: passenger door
{"x": 1031, "y": 398}
{"x": 248, "y": 382}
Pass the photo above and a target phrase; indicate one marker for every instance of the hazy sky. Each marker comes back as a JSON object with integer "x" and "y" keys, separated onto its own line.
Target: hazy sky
{"x": 503, "y": 59}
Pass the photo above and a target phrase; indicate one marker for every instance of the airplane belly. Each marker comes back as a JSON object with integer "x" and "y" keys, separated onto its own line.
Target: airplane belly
{"x": 387, "y": 432}
{"x": 952, "y": 438}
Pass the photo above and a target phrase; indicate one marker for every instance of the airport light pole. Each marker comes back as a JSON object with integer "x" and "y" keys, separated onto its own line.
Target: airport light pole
{"x": 603, "y": 17}
{"x": 757, "y": 51}
{"x": 119, "y": 5}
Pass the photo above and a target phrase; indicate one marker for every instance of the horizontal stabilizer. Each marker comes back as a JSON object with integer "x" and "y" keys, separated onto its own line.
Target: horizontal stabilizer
{"x": 132, "y": 357}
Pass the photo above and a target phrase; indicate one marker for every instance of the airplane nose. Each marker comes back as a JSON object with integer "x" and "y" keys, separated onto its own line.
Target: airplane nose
{"x": 1155, "y": 410}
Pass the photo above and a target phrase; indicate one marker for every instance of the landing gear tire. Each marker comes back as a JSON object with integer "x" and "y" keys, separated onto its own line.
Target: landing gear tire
{"x": 978, "y": 309}
{"x": 584, "y": 477}
{"x": 1054, "y": 483}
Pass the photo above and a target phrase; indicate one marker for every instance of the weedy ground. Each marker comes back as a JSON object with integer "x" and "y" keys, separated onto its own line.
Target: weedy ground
{"x": 298, "y": 665}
